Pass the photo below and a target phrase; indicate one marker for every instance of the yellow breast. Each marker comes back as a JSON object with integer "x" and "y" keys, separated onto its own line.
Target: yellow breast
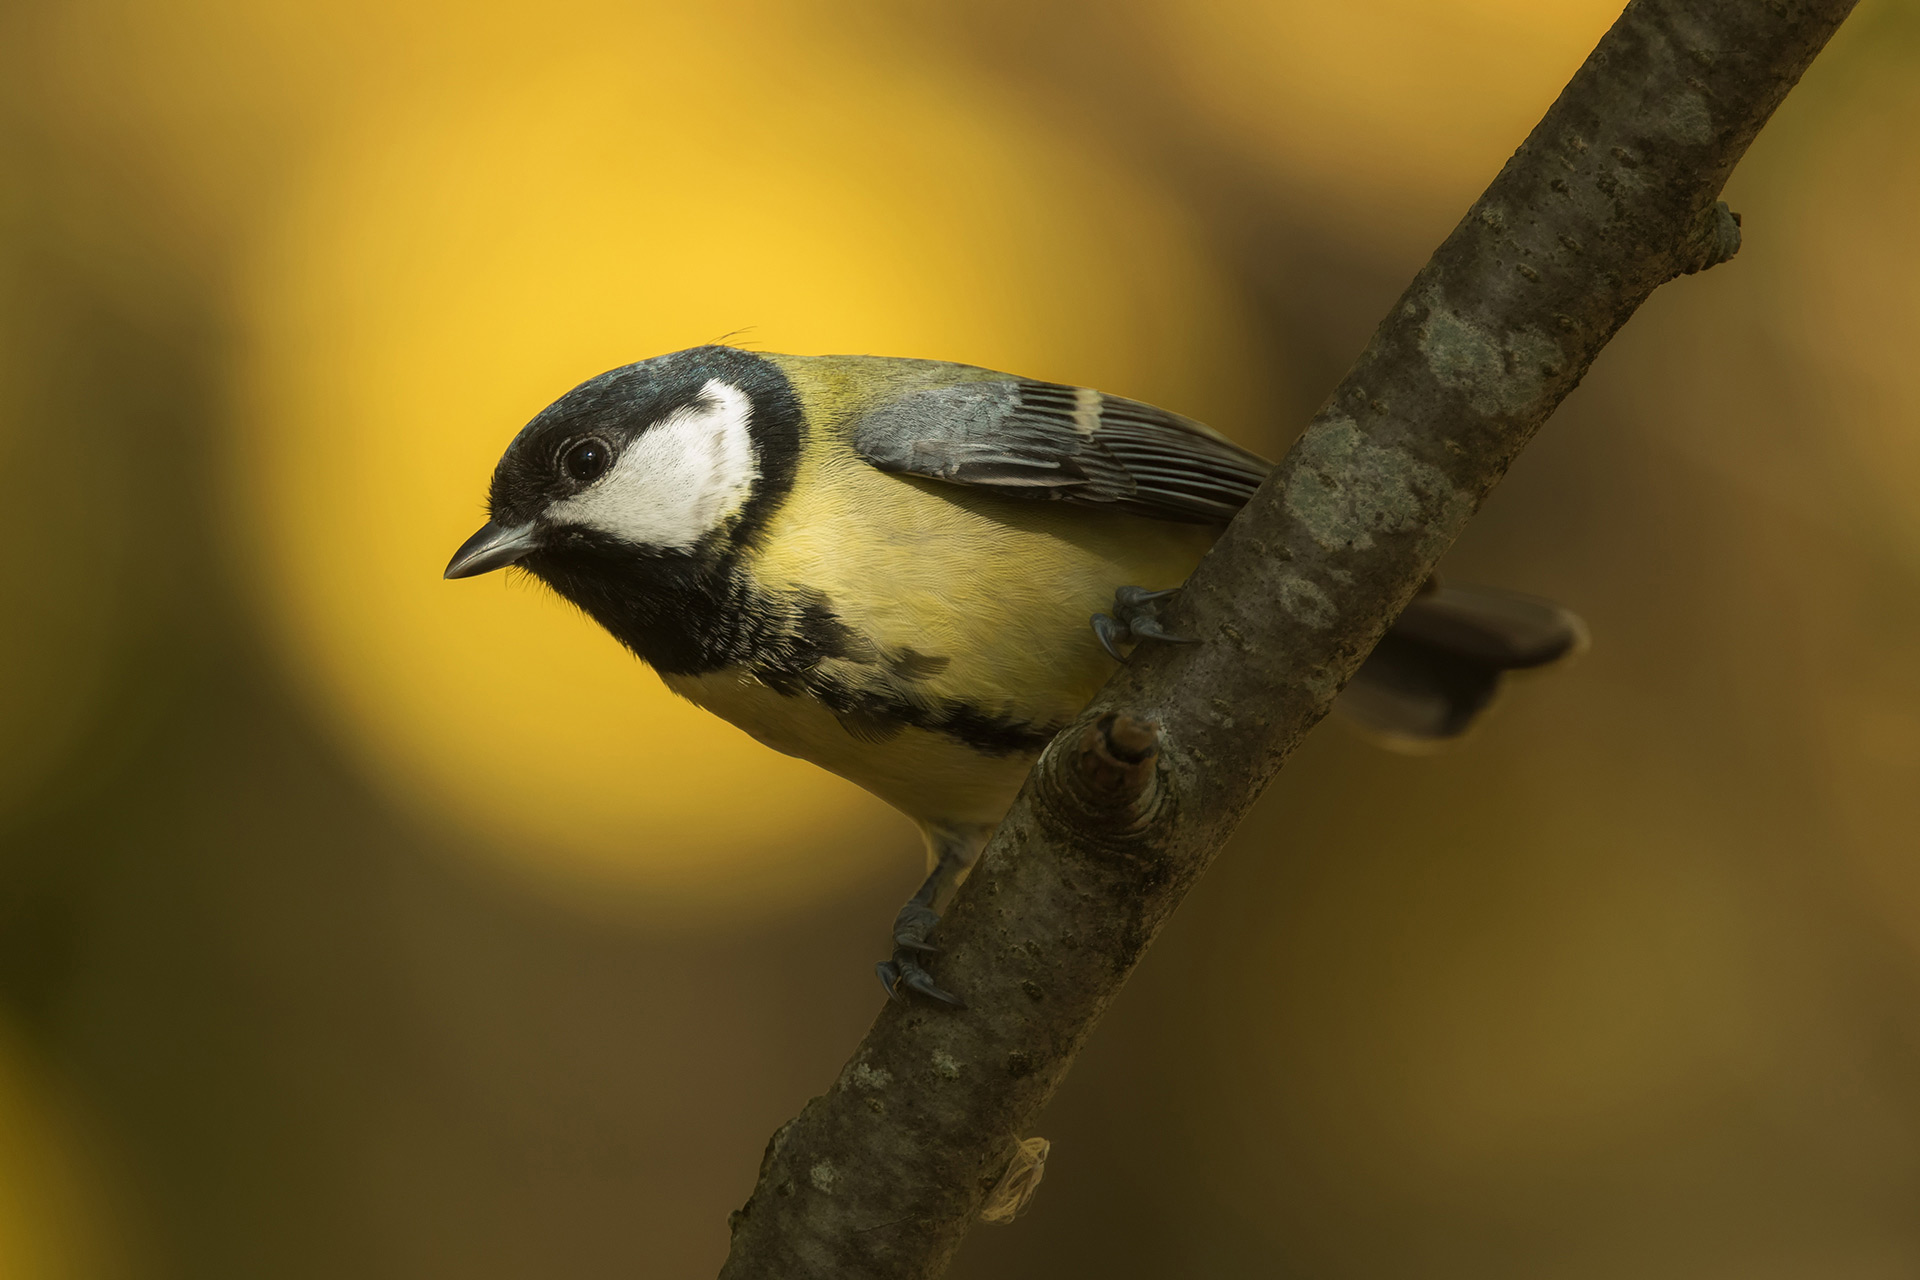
{"x": 992, "y": 594}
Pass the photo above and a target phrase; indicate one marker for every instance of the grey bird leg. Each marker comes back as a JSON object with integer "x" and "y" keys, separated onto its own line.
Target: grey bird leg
{"x": 1134, "y": 619}
{"x": 954, "y": 849}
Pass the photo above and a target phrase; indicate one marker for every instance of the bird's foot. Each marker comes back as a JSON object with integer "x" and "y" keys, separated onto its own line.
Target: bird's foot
{"x": 1135, "y": 617}
{"x": 904, "y": 973}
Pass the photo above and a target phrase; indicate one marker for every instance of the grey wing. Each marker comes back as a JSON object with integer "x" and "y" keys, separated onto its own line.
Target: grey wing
{"x": 1044, "y": 440}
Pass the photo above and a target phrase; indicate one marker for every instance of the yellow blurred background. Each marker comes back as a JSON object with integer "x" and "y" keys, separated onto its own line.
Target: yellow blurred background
{"x": 357, "y": 923}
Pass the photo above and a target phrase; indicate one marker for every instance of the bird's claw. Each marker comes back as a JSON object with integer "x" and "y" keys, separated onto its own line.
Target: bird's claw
{"x": 1134, "y": 619}
{"x": 1128, "y": 599}
{"x": 904, "y": 973}
{"x": 901, "y": 975}
{"x": 1111, "y": 635}
{"x": 1145, "y": 627}
{"x": 911, "y": 927}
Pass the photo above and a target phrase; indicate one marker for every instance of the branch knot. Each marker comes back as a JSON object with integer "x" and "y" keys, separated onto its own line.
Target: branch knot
{"x": 1714, "y": 239}
{"x": 1104, "y": 779}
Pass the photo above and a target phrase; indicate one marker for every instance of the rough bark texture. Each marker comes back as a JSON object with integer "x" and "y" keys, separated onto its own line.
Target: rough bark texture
{"x": 1615, "y": 193}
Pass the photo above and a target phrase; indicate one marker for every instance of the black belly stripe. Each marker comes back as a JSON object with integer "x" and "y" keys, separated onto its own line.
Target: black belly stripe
{"x": 995, "y": 735}
{"x": 868, "y": 711}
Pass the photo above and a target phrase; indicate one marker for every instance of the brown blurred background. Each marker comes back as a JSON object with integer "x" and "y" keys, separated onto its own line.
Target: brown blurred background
{"x": 353, "y": 923}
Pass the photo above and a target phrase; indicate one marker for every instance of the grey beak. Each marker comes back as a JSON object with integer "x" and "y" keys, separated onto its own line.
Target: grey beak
{"x": 494, "y": 547}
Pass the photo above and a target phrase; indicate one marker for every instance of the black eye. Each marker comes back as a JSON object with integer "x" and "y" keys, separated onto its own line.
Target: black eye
{"x": 587, "y": 461}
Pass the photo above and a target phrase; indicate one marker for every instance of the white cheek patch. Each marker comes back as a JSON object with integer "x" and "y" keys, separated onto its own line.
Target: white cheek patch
{"x": 677, "y": 481}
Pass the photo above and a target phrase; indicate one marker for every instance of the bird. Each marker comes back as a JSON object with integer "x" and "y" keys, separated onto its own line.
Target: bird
{"x": 914, "y": 573}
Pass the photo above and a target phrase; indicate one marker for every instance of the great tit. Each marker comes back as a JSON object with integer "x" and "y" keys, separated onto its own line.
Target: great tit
{"x": 914, "y": 573}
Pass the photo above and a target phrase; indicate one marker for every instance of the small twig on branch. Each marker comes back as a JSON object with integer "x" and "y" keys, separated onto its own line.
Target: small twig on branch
{"x": 1614, "y": 193}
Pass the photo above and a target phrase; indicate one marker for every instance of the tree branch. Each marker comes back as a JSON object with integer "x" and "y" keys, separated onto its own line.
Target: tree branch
{"x": 1613, "y": 194}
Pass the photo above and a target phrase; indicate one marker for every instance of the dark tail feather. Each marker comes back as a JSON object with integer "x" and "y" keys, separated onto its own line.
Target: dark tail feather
{"x": 1441, "y": 664}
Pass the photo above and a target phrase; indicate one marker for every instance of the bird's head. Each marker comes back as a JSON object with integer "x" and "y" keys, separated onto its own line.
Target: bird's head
{"x": 665, "y": 459}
